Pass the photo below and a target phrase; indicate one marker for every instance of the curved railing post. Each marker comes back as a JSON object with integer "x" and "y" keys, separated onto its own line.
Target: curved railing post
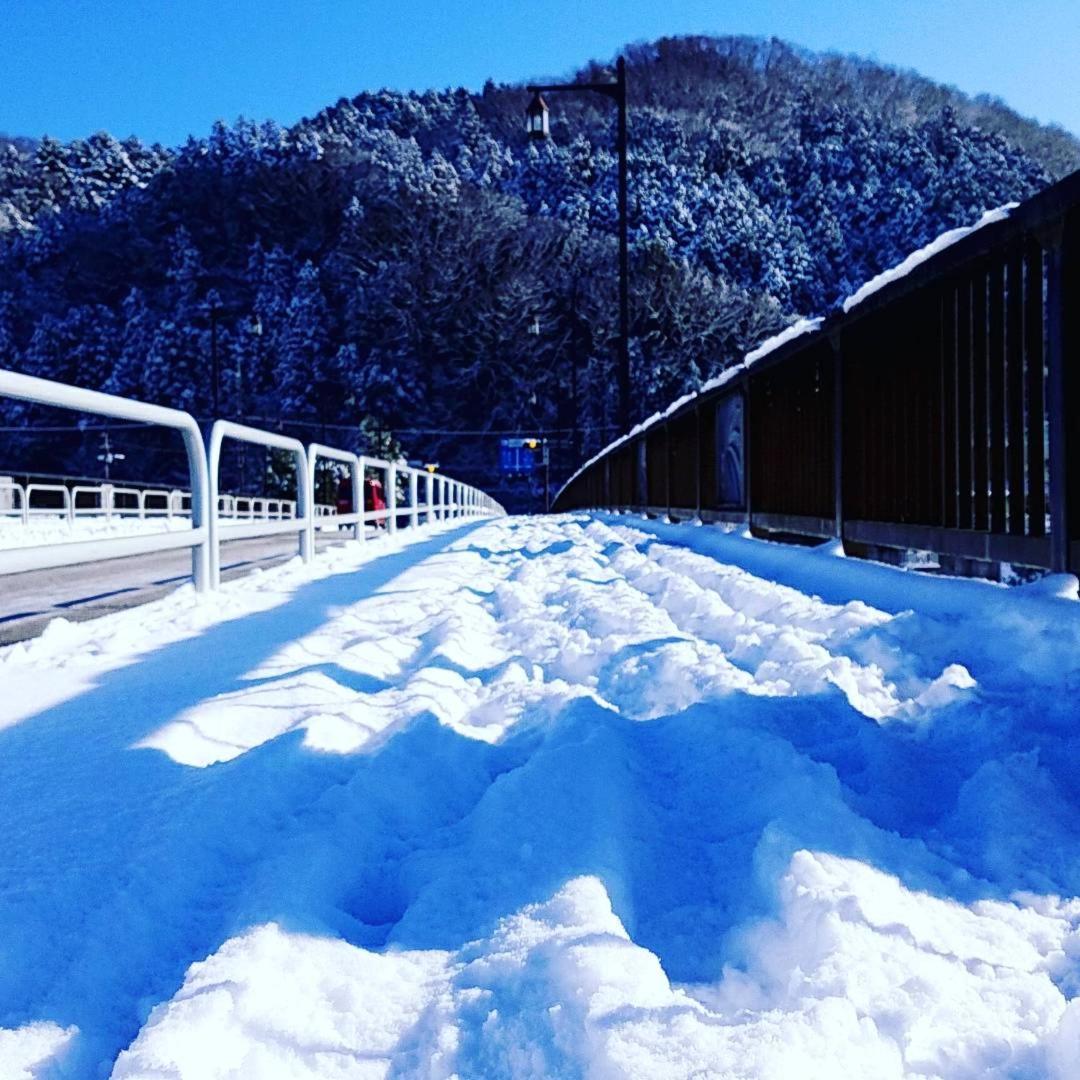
{"x": 360, "y": 495}
{"x": 391, "y": 498}
{"x": 226, "y": 429}
{"x": 356, "y": 518}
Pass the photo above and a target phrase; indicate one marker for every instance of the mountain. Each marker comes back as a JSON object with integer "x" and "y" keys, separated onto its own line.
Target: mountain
{"x": 412, "y": 264}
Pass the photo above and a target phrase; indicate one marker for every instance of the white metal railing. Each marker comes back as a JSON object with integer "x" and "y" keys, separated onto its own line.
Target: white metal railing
{"x": 209, "y": 508}
{"x": 60, "y": 395}
{"x": 8, "y": 490}
{"x": 104, "y": 501}
{"x": 356, "y": 487}
{"x": 397, "y": 479}
{"x": 48, "y": 489}
{"x": 226, "y": 429}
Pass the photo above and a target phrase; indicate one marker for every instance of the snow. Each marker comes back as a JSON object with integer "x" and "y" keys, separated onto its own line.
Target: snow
{"x": 581, "y": 795}
{"x": 917, "y": 258}
{"x": 770, "y": 345}
{"x": 53, "y": 529}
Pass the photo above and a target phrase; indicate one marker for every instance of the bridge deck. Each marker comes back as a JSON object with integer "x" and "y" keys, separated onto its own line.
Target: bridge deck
{"x": 594, "y": 794}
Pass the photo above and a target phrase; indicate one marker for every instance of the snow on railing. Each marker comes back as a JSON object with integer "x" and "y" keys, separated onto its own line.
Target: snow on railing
{"x": 208, "y": 508}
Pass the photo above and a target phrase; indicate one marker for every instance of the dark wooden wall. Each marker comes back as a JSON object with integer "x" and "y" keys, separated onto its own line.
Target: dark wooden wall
{"x": 942, "y": 414}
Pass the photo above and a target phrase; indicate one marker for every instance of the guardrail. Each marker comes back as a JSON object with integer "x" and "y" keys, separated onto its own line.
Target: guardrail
{"x": 935, "y": 413}
{"x": 209, "y": 509}
{"x": 356, "y": 478}
{"x": 143, "y": 503}
{"x": 48, "y": 489}
{"x": 226, "y": 429}
{"x": 43, "y": 392}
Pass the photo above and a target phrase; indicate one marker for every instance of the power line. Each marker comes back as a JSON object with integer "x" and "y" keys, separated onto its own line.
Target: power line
{"x": 353, "y": 429}
{"x": 71, "y": 428}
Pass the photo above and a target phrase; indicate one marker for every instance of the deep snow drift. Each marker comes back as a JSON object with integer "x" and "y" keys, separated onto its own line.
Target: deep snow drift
{"x": 547, "y": 797}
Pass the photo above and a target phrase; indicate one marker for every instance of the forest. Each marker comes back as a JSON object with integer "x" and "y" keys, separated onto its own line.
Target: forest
{"x": 410, "y": 271}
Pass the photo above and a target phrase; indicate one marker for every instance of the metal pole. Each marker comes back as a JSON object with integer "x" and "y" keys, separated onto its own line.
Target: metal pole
{"x": 391, "y": 499}
{"x": 576, "y": 432}
{"x": 624, "y": 255}
{"x": 215, "y": 389}
{"x": 617, "y": 92}
{"x": 547, "y": 477}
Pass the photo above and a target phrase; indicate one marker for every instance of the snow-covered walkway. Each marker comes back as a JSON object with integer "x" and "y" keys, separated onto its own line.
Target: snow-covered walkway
{"x": 554, "y": 797}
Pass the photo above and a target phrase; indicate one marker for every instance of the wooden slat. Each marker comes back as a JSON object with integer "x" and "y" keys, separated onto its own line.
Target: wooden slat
{"x": 995, "y": 347}
{"x": 1014, "y": 390}
{"x": 964, "y": 515}
{"x": 948, "y": 407}
{"x": 932, "y": 416}
{"x": 980, "y": 452}
{"x": 1035, "y": 418}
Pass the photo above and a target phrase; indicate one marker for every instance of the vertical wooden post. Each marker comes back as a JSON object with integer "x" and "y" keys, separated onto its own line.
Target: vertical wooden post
{"x": 747, "y": 448}
{"x": 697, "y": 458}
{"x": 667, "y": 468}
{"x": 838, "y": 436}
{"x": 641, "y": 473}
{"x": 1055, "y": 399}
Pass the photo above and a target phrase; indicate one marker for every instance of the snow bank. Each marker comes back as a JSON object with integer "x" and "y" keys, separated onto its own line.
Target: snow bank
{"x": 49, "y": 529}
{"x": 548, "y": 797}
{"x": 54, "y": 529}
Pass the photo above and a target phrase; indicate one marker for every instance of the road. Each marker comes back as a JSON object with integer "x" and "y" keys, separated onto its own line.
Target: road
{"x": 28, "y": 601}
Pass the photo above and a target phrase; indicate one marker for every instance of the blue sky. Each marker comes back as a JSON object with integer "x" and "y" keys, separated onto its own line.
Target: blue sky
{"x": 162, "y": 69}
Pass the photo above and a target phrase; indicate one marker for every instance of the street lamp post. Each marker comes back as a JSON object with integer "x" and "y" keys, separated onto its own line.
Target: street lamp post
{"x": 215, "y": 370}
{"x": 536, "y": 124}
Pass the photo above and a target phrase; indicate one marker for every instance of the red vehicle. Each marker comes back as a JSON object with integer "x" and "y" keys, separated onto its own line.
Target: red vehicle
{"x": 373, "y": 499}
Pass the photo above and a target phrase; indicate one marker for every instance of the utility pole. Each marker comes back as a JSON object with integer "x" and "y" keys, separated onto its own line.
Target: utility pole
{"x": 547, "y": 475}
{"x": 214, "y": 371}
{"x": 107, "y": 455}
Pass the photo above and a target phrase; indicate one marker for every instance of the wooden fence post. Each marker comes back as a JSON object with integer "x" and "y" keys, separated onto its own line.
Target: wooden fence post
{"x": 838, "y": 435}
{"x": 697, "y": 458}
{"x": 1055, "y": 398}
{"x": 667, "y": 468}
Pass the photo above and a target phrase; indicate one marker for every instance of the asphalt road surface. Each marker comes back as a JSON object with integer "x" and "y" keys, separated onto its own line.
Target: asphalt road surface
{"x": 28, "y": 601}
